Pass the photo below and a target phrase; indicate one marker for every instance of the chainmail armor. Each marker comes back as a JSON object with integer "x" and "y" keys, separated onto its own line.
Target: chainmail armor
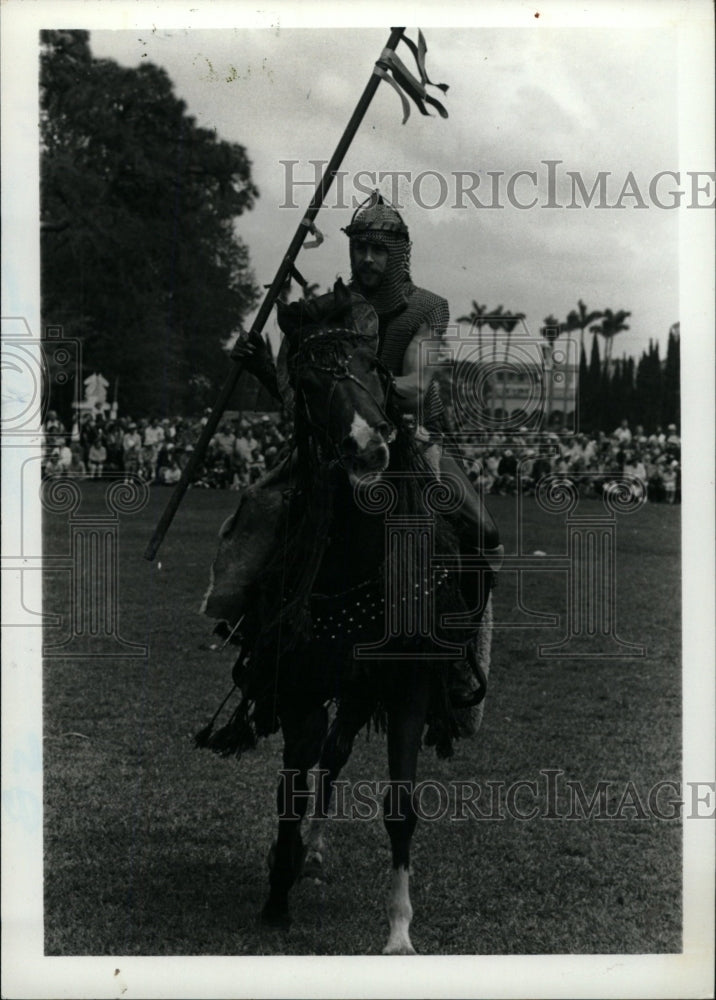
{"x": 402, "y": 307}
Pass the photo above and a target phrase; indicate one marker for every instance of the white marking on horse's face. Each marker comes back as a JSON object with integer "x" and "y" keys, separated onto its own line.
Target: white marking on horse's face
{"x": 368, "y": 456}
{"x": 361, "y": 432}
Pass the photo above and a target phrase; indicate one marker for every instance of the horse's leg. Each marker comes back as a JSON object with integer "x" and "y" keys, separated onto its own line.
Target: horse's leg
{"x": 406, "y": 719}
{"x": 304, "y": 730}
{"x": 351, "y": 716}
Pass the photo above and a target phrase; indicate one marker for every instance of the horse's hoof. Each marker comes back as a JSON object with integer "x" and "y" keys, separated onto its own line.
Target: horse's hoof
{"x": 275, "y": 917}
{"x": 313, "y": 867}
{"x": 399, "y": 949}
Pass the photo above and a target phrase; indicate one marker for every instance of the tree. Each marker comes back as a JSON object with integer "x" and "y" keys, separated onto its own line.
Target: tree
{"x": 580, "y": 319}
{"x": 550, "y": 330}
{"x": 649, "y": 387}
{"x": 594, "y": 401}
{"x": 477, "y": 318}
{"x": 612, "y": 323}
{"x": 584, "y": 402}
{"x": 494, "y": 321}
{"x": 671, "y": 396}
{"x": 140, "y": 257}
{"x": 509, "y": 322}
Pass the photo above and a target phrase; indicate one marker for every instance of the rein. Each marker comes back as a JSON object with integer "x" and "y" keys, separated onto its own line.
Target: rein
{"x": 340, "y": 372}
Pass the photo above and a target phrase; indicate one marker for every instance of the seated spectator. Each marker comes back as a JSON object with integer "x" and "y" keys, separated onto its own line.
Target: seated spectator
{"x": 633, "y": 466}
{"x": 658, "y": 438}
{"x": 87, "y": 434}
{"x": 527, "y": 470}
{"x": 52, "y": 467}
{"x": 654, "y": 484}
{"x": 639, "y": 439}
{"x": 54, "y": 430}
{"x": 131, "y": 451}
{"x": 64, "y": 457}
{"x": 113, "y": 443}
{"x": 673, "y": 442}
{"x": 257, "y": 465}
{"x": 170, "y": 473}
{"x": 506, "y": 473}
{"x": 97, "y": 457}
{"x": 622, "y": 434}
{"x": 76, "y": 468}
{"x": 669, "y": 473}
{"x": 224, "y": 439}
{"x": 492, "y": 464}
{"x": 165, "y": 453}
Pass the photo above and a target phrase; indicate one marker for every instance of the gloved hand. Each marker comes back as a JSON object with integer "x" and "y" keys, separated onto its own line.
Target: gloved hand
{"x": 252, "y": 350}
{"x": 253, "y": 353}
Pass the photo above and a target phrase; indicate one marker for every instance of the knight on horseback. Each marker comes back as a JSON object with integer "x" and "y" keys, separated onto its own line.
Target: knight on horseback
{"x": 408, "y": 317}
{"x": 329, "y": 609}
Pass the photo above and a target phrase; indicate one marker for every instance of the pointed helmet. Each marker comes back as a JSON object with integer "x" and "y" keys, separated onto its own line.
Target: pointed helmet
{"x": 376, "y": 221}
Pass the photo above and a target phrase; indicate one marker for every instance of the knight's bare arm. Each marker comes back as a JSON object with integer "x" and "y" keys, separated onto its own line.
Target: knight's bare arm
{"x": 417, "y": 373}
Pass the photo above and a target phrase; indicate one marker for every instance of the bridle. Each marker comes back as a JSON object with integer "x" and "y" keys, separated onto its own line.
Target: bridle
{"x": 338, "y": 372}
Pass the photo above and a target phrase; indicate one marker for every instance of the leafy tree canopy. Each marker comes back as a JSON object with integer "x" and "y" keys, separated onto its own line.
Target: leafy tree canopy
{"x": 140, "y": 255}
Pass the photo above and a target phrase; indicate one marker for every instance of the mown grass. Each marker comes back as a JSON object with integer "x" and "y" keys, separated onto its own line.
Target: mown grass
{"x": 154, "y": 848}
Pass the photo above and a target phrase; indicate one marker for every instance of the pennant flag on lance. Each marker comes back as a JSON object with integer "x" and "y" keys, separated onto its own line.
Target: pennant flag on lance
{"x": 403, "y": 81}
{"x": 392, "y": 69}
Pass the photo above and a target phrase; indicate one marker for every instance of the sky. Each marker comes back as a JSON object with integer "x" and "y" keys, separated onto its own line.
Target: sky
{"x": 596, "y": 99}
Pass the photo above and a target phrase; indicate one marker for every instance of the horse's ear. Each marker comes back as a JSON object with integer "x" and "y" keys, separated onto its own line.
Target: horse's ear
{"x": 286, "y": 319}
{"x": 341, "y": 296}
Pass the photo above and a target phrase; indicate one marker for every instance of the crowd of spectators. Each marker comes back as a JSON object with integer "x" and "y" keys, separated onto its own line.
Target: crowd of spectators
{"x": 157, "y": 451}
{"x": 510, "y": 463}
{"x": 246, "y": 446}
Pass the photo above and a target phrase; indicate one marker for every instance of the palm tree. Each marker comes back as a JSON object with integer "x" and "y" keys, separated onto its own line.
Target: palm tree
{"x": 477, "y": 320}
{"x": 509, "y": 322}
{"x": 494, "y": 321}
{"x": 580, "y": 319}
{"x": 550, "y": 330}
{"x": 612, "y": 323}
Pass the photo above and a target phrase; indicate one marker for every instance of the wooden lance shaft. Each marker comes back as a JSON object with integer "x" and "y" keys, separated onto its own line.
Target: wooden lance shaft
{"x": 267, "y": 305}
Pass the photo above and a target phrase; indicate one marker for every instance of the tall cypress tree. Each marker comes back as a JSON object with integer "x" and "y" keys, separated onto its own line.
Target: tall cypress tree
{"x": 649, "y": 387}
{"x": 671, "y": 395}
{"x": 595, "y": 382}
{"x": 584, "y": 402}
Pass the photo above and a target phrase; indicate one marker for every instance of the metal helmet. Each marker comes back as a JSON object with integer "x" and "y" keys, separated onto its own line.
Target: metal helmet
{"x": 376, "y": 221}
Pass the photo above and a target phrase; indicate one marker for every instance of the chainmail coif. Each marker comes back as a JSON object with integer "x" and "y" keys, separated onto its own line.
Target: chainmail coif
{"x": 378, "y": 222}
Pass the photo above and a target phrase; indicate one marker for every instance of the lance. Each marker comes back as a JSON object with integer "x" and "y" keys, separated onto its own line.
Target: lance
{"x": 403, "y": 82}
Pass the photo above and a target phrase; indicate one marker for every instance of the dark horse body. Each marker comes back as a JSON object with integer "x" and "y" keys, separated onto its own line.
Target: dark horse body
{"x": 332, "y": 585}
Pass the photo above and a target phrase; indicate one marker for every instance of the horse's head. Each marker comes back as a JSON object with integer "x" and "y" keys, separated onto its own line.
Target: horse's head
{"x": 341, "y": 389}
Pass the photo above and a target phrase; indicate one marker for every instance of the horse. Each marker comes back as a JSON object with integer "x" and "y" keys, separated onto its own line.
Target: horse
{"x": 328, "y": 590}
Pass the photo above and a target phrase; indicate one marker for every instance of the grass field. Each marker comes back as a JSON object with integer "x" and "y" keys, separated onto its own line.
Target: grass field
{"x": 155, "y": 848}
